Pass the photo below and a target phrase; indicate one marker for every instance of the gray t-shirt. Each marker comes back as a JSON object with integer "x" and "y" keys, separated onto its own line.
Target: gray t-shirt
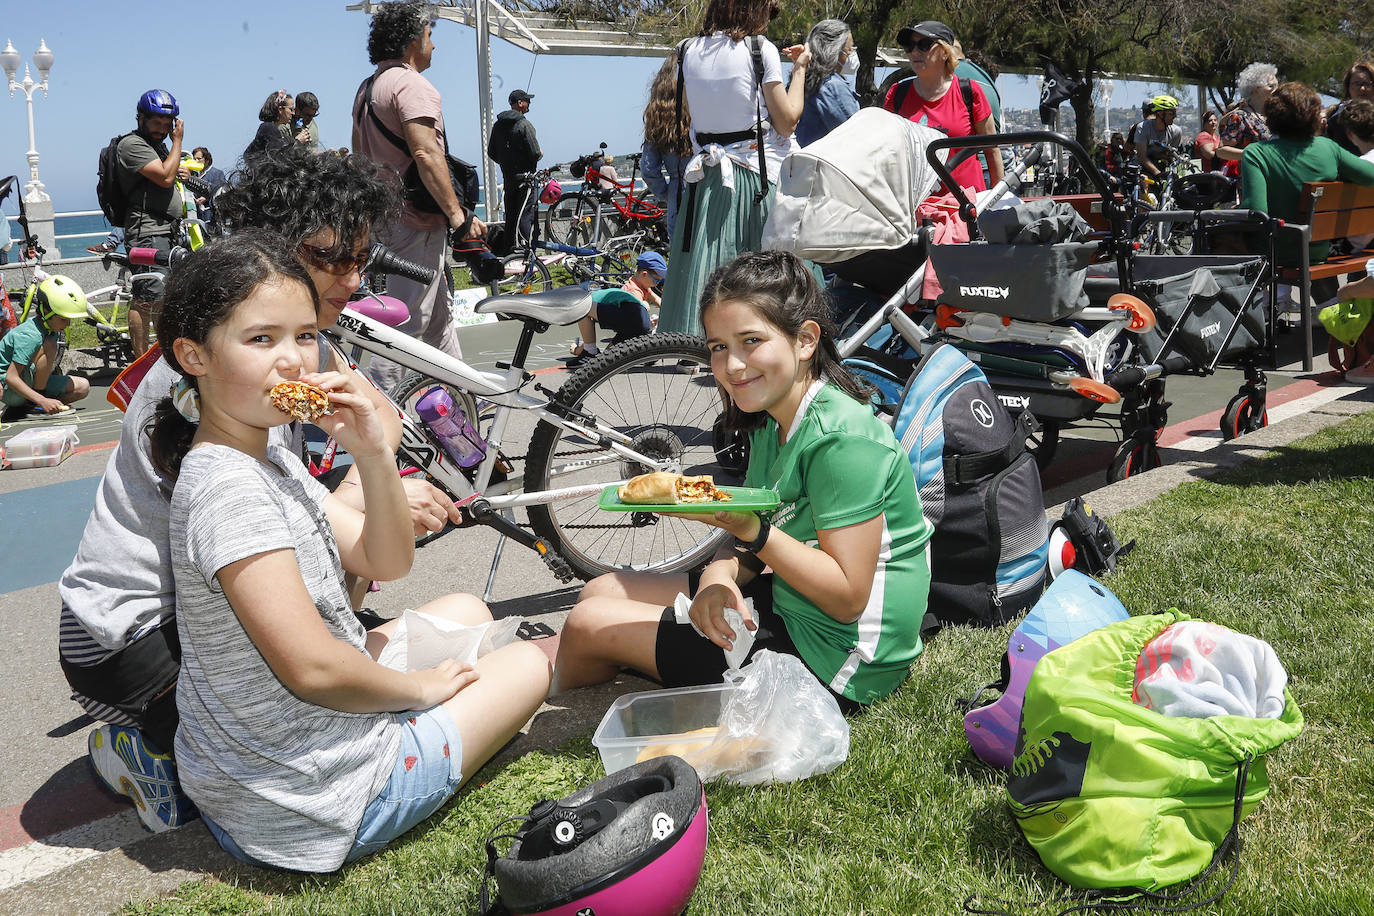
{"x": 151, "y": 207}
{"x": 119, "y": 586}
{"x": 1146, "y": 133}
{"x": 287, "y": 779}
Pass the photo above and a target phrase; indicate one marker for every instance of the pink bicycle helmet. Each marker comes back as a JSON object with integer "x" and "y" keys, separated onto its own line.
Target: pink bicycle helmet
{"x": 552, "y": 191}
{"x": 1073, "y": 606}
{"x": 631, "y": 844}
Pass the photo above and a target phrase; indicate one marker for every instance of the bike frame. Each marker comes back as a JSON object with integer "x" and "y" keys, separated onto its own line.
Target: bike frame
{"x": 500, "y": 388}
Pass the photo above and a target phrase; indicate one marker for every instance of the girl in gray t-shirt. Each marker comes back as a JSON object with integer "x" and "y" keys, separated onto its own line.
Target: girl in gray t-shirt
{"x": 300, "y": 750}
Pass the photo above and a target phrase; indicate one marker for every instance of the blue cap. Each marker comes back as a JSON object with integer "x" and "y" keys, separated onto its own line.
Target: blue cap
{"x": 652, "y": 260}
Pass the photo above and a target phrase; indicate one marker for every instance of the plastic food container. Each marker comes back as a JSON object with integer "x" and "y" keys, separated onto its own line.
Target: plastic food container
{"x": 658, "y": 719}
{"x": 40, "y": 448}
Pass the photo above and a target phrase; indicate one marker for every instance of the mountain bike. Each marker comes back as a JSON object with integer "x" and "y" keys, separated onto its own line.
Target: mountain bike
{"x": 648, "y": 404}
{"x": 595, "y": 214}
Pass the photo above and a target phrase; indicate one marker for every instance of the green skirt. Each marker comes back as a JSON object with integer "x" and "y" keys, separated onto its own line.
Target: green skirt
{"x": 723, "y": 224}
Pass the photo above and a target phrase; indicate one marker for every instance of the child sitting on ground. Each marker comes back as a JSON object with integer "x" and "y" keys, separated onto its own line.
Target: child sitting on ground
{"x": 627, "y": 315}
{"x": 28, "y": 354}
{"x": 846, "y": 549}
{"x": 1356, "y": 359}
{"x": 299, "y": 749}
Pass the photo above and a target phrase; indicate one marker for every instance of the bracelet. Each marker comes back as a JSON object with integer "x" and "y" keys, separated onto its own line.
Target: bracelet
{"x": 757, "y": 543}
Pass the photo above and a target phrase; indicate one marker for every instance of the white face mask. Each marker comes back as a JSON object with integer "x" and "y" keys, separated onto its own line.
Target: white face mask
{"x": 851, "y": 64}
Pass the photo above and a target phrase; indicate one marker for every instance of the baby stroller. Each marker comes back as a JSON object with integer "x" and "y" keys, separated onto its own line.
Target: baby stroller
{"x": 1057, "y": 327}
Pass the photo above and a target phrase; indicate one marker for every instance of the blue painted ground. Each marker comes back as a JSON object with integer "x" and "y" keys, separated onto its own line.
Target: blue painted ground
{"x": 40, "y": 529}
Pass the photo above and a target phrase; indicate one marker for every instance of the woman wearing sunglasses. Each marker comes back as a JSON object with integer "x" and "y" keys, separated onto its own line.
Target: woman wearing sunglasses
{"x": 934, "y": 98}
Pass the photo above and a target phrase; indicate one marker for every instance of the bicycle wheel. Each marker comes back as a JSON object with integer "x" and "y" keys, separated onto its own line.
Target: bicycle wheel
{"x": 524, "y": 273}
{"x": 658, "y": 391}
{"x": 572, "y": 220}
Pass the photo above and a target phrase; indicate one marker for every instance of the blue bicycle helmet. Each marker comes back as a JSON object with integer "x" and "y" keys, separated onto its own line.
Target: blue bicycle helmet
{"x": 158, "y": 102}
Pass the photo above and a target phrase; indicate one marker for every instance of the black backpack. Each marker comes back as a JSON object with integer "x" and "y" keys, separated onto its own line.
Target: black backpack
{"x": 109, "y": 190}
{"x": 899, "y": 93}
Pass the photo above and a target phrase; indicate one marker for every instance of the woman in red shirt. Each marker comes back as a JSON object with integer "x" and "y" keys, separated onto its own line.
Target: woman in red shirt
{"x": 933, "y": 98}
{"x": 1206, "y": 143}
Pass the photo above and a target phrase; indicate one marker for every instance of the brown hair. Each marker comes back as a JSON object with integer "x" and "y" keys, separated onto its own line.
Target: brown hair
{"x": 1294, "y": 111}
{"x": 663, "y": 129}
{"x": 1360, "y": 66}
{"x": 737, "y": 18}
{"x": 1358, "y": 118}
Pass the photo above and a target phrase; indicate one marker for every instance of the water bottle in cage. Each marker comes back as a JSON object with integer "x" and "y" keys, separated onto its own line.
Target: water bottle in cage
{"x": 451, "y": 427}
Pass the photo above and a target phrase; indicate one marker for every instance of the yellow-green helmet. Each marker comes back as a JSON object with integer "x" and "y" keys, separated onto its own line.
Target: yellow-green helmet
{"x": 1163, "y": 103}
{"x": 61, "y": 296}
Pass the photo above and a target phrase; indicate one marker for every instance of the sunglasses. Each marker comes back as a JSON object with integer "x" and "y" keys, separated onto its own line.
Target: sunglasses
{"x": 921, "y": 44}
{"x": 320, "y": 258}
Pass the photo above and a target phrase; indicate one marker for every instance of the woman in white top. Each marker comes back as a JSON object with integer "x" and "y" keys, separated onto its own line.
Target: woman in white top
{"x": 723, "y": 211}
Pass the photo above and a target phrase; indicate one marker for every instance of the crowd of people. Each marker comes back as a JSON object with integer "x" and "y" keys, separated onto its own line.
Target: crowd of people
{"x": 210, "y": 617}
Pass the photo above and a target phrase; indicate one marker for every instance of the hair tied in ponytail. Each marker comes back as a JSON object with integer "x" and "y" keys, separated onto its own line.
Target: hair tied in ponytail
{"x": 186, "y": 398}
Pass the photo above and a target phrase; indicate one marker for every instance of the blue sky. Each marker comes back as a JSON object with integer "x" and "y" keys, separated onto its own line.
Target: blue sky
{"x": 222, "y": 59}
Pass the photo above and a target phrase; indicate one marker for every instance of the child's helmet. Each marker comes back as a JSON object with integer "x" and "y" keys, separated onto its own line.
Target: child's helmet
{"x": 59, "y": 295}
{"x": 158, "y": 102}
{"x": 1073, "y": 606}
{"x": 552, "y": 191}
{"x": 631, "y": 844}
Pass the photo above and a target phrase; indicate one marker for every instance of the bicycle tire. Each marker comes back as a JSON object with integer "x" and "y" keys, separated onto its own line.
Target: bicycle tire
{"x": 532, "y": 277}
{"x": 571, "y": 220}
{"x": 658, "y": 390}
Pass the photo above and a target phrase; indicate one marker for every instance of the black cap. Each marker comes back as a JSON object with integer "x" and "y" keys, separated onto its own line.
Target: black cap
{"x": 518, "y": 95}
{"x": 928, "y": 29}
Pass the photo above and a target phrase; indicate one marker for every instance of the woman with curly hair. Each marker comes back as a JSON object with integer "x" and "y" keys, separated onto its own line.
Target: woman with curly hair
{"x": 1244, "y": 124}
{"x": 727, "y": 202}
{"x": 667, "y": 140}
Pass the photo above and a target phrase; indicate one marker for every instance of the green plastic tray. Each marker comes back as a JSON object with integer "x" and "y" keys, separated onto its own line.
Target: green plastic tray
{"x": 744, "y": 499}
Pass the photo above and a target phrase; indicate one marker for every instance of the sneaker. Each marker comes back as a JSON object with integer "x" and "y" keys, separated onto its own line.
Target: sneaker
{"x": 102, "y": 248}
{"x": 128, "y": 767}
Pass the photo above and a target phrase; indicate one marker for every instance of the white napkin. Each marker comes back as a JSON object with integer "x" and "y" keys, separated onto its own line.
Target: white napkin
{"x": 423, "y": 640}
{"x": 744, "y": 637}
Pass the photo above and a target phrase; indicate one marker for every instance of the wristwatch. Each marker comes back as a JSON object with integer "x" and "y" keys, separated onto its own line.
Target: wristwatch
{"x": 757, "y": 543}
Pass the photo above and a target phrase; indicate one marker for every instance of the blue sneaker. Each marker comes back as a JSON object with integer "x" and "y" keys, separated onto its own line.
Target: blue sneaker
{"x": 126, "y": 766}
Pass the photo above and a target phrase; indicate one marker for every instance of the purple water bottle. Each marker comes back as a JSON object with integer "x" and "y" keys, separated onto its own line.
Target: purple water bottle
{"x": 450, "y": 426}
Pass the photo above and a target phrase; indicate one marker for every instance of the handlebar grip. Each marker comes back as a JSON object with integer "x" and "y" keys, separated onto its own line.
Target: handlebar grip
{"x": 382, "y": 260}
{"x": 148, "y": 257}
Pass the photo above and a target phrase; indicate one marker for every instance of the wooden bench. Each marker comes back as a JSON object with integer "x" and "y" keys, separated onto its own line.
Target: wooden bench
{"x": 1328, "y": 210}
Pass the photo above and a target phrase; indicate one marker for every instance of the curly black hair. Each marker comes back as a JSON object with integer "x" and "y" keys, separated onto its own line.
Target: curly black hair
{"x": 297, "y": 193}
{"x": 394, "y": 27}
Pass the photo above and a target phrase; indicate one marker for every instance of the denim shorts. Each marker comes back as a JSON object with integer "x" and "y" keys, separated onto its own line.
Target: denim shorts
{"x": 426, "y": 774}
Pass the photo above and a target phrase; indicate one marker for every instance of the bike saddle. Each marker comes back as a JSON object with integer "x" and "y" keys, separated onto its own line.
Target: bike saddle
{"x": 389, "y": 310}
{"x": 554, "y": 307}
{"x": 1203, "y": 190}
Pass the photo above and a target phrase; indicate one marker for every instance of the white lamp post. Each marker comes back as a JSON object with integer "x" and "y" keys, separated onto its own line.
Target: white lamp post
{"x": 1105, "y": 87}
{"x": 42, "y": 62}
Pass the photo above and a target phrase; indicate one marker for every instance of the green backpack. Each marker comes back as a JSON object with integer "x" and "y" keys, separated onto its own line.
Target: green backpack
{"x": 1114, "y": 795}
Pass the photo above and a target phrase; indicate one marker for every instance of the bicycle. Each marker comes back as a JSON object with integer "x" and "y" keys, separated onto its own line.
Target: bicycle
{"x": 647, "y": 404}
{"x": 107, "y": 310}
{"x": 527, "y": 270}
{"x": 581, "y": 218}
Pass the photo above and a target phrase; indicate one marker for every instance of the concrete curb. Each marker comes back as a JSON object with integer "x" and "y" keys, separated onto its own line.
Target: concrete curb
{"x": 158, "y": 865}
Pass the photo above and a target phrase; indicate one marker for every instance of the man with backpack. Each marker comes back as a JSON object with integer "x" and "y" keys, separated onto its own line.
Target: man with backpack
{"x": 515, "y": 148}
{"x": 136, "y": 190}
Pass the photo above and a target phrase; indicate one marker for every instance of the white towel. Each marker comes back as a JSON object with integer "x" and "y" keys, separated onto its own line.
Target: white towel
{"x": 1196, "y": 669}
{"x": 744, "y": 637}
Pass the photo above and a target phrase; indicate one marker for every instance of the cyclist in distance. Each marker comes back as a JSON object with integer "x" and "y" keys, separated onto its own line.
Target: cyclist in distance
{"x": 117, "y": 634}
{"x": 1159, "y": 128}
{"x": 515, "y": 148}
{"x": 146, "y": 169}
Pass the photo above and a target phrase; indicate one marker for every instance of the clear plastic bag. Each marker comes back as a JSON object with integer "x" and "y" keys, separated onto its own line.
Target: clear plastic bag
{"x": 779, "y": 725}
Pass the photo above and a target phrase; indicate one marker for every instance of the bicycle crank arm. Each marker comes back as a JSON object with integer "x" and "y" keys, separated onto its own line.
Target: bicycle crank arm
{"x": 484, "y": 514}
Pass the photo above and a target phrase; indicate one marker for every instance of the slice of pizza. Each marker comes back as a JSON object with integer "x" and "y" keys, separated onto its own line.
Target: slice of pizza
{"x": 300, "y": 400}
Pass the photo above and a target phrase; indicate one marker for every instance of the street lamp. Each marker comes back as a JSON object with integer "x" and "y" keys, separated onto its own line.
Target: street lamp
{"x": 42, "y": 62}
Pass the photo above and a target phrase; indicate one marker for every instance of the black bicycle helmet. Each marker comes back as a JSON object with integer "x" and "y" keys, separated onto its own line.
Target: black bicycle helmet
{"x": 631, "y": 844}
{"x": 158, "y": 102}
{"x": 1203, "y": 190}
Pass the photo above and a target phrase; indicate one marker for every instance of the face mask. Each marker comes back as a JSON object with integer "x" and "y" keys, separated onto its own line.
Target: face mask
{"x": 851, "y": 64}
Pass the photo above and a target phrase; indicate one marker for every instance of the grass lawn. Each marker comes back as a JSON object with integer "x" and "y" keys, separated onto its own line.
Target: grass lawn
{"x": 913, "y": 823}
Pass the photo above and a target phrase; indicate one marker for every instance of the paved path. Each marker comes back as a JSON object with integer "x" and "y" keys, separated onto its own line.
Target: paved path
{"x": 67, "y": 846}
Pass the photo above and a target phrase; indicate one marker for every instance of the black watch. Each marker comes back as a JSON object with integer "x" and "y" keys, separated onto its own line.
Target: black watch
{"x": 757, "y": 543}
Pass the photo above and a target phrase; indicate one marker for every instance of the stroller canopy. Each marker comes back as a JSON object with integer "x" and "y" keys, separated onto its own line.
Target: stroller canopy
{"x": 854, "y": 190}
